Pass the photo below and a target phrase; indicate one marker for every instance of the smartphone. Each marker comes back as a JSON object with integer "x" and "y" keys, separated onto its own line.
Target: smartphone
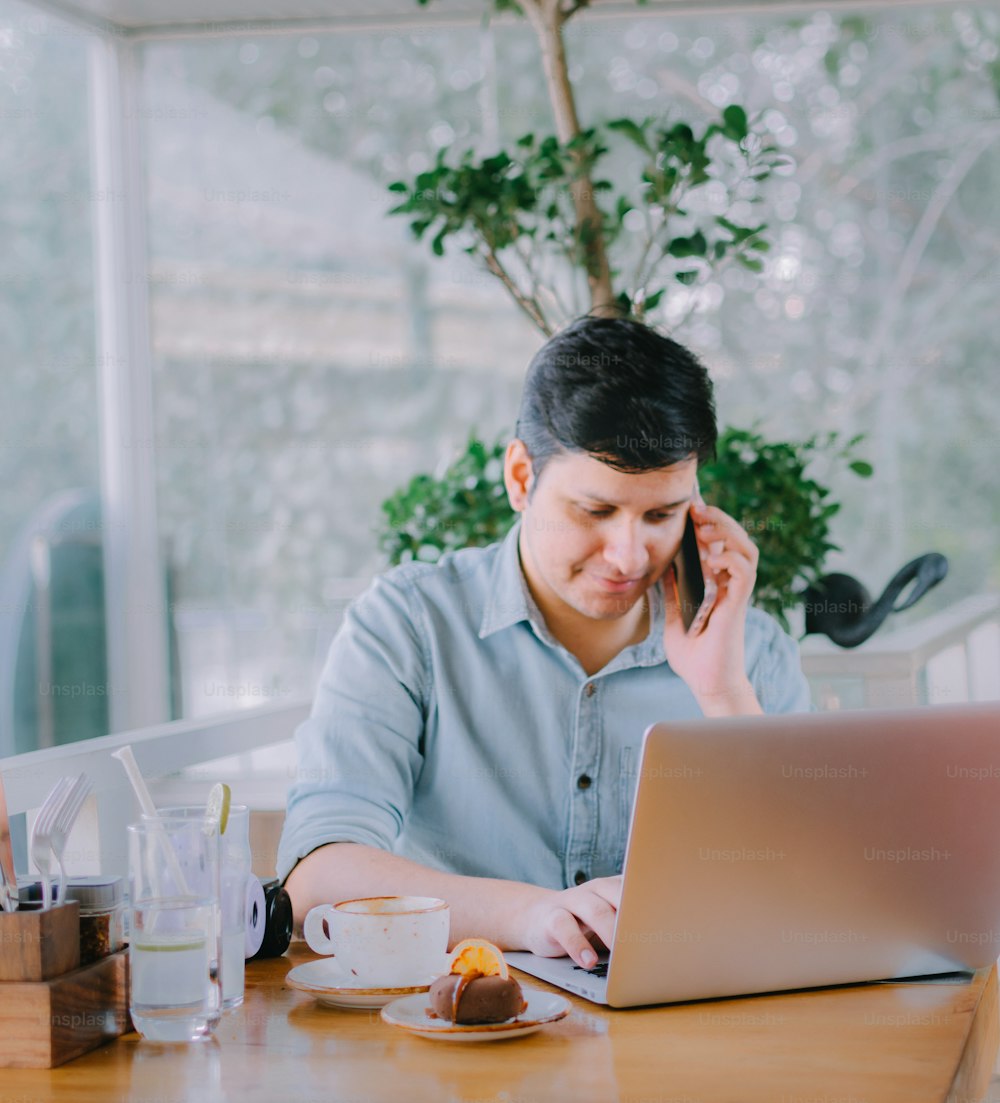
{"x": 695, "y": 592}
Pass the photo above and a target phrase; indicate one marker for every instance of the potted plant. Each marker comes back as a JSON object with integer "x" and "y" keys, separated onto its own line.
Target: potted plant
{"x": 564, "y": 240}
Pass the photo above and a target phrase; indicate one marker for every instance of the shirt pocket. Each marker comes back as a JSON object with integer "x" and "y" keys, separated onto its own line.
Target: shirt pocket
{"x": 626, "y": 793}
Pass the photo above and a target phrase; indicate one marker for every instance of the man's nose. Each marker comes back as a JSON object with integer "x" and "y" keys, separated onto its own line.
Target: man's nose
{"x": 625, "y": 551}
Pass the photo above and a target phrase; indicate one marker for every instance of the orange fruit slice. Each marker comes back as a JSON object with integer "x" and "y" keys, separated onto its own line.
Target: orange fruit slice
{"x": 476, "y": 955}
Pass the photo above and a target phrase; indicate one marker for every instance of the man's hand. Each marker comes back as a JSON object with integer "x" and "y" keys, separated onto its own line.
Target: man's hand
{"x": 573, "y": 921}
{"x": 713, "y": 663}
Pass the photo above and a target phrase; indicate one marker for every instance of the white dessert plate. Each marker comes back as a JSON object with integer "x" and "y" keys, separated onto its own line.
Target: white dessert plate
{"x": 412, "y": 1014}
{"x": 323, "y": 981}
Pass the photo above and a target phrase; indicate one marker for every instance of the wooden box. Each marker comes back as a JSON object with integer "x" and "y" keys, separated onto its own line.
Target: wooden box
{"x": 46, "y": 1023}
{"x": 36, "y": 944}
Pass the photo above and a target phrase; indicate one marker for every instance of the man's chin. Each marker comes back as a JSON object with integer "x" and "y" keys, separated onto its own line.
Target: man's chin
{"x": 610, "y": 606}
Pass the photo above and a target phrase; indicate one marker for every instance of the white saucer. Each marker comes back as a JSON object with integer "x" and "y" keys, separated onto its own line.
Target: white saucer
{"x": 322, "y": 980}
{"x": 411, "y": 1013}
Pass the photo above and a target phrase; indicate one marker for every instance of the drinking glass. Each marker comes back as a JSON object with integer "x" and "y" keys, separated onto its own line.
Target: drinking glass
{"x": 235, "y": 871}
{"x": 174, "y": 990}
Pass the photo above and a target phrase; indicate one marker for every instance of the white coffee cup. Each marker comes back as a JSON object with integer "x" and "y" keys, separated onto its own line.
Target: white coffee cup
{"x": 382, "y": 941}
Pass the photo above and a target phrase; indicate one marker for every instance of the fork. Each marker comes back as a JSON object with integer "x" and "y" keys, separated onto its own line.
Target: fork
{"x": 41, "y": 850}
{"x": 66, "y": 815}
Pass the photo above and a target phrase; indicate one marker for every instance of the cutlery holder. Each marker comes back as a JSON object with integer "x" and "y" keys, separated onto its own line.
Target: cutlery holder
{"x": 46, "y": 1023}
{"x": 36, "y": 945}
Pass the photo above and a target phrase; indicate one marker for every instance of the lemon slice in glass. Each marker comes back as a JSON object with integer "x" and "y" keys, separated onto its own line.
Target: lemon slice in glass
{"x": 217, "y": 808}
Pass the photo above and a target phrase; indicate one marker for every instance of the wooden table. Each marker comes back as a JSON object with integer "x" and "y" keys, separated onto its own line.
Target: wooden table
{"x": 866, "y": 1044}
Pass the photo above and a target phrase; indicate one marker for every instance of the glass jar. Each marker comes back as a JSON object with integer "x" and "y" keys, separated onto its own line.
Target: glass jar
{"x": 102, "y": 915}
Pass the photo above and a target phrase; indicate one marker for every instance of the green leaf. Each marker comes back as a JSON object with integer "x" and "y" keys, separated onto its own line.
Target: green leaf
{"x": 735, "y": 120}
{"x": 653, "y": 301}
{"x": 398, "y": 186}
{"x": 687, "y": 278}
{"x": 631, "y": 130}
{"x": 693, "y": 246}
{"x": 862, "y": 468}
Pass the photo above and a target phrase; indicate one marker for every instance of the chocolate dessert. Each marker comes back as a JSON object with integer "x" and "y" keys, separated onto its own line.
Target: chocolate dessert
{"x": 470, "y": 999}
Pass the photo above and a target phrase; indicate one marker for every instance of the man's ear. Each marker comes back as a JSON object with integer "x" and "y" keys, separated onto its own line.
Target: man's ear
{"x": 517, "y": 475}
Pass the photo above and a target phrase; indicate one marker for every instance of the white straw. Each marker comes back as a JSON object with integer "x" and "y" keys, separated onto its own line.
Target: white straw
{"x": 127, "y": 759}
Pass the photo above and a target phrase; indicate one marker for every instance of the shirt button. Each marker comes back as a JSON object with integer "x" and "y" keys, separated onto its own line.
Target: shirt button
{"x": 591, "y": 689}
{"x": 583, "y": 781}
{"x": 580, "y": 877}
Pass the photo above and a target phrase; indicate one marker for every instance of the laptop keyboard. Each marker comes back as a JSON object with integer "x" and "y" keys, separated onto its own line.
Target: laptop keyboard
{"x": 599, "y": 970}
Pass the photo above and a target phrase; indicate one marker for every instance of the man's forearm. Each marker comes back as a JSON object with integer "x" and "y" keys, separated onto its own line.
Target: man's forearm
{"x": 481, "y": 907}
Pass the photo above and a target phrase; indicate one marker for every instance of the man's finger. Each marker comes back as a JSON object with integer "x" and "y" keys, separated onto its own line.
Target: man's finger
{"x": 596, "y": 912}
{"x": 608, "y": 888}
{"x": 739, "y": 568}
{"x": 565, "y": 931}
{"x": 712, "y": 518}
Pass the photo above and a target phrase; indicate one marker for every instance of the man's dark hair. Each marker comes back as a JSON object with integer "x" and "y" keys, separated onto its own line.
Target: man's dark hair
{"x": 620, "y": 391}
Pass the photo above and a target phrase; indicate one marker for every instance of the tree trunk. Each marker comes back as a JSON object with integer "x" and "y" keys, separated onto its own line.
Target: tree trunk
{"x": 547, "y": 19}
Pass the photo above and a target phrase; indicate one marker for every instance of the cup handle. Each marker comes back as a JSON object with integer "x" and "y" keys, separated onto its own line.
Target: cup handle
{"x": 313, "y": 929}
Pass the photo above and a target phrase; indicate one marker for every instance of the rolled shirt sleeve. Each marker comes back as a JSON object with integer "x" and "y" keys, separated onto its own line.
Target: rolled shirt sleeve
{"x": 361, "y": 749}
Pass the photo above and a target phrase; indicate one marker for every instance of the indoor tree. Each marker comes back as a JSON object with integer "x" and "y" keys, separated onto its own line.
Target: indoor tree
{"x": 564, "y": 240}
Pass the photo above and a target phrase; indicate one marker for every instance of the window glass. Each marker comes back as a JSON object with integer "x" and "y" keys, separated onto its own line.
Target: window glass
{"x": 53, "y": 683}
{"x": 309, "y": 358}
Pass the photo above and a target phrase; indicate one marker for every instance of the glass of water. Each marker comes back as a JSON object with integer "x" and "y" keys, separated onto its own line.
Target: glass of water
{"x": 234, "y": 844}
{"x": 175, "y": 993}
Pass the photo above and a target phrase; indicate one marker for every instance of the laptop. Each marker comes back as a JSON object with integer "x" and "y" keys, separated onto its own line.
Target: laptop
{"x": 771, "y": 853}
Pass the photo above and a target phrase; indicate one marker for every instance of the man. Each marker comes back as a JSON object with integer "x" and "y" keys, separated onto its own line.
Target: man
{"x": 477, "y": 726}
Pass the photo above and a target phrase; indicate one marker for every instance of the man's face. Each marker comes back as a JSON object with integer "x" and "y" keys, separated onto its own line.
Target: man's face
{"x": 593, "y": 538}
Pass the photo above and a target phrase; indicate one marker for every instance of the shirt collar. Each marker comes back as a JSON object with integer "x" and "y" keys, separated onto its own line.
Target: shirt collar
{"x": 508, "y": 600}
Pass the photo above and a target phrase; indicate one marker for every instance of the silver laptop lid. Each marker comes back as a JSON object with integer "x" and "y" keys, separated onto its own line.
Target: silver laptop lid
{"x": 771, "y": 853}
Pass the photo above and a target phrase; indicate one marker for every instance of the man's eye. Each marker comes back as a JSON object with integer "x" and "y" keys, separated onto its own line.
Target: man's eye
{"x": 598, "y": 512}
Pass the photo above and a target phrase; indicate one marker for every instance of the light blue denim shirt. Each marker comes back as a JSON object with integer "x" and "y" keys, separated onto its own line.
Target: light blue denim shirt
{"x": 451, "y": 728}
